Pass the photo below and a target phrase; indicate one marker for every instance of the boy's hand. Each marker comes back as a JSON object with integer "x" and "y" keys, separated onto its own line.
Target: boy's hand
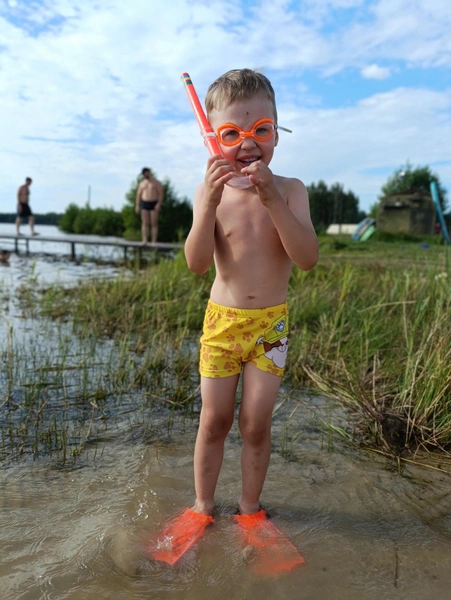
{"x": 219, "y": 172}
{"x": 263, "y": 179}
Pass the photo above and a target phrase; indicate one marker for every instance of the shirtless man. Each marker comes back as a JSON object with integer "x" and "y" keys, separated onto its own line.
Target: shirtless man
{"x": 23, "y": 208}
{"x": 149, "y": 198}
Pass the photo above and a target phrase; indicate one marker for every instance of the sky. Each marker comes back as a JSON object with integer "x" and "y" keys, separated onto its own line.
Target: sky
{"x": 91, "y": 91}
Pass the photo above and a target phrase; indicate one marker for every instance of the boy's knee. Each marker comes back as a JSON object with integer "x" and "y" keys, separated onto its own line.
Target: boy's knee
{"x": 216, "y": 429}
{"x": 255, "y": 434}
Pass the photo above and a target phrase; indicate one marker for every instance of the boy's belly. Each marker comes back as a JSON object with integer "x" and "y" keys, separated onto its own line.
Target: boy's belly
{"x": 251, "y": 285}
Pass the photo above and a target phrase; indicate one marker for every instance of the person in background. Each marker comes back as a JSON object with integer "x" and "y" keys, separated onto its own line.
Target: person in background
{"x": 23, "y": 206}
{"x": 149, "y": 198}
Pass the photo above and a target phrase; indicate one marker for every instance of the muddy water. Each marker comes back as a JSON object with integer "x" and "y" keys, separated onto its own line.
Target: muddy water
{"x": 365, "y": 531}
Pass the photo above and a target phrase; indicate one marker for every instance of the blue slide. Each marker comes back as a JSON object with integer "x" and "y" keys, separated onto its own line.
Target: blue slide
{"x": 435, "y": 197}
{"x": 362, "y": 227}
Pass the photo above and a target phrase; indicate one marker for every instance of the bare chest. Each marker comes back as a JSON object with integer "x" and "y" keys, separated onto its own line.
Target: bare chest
{"x": 244, "y": 223}
{"x": 149, "y": 191}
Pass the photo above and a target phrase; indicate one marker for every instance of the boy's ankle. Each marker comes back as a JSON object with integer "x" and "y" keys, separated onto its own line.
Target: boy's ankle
{"x": 248, "y": 508}
{"x": 204, "y": 508}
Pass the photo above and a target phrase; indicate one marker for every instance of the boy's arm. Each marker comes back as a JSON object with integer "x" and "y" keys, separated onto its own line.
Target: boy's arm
{"x": 200, "y": 243}
{"x": 292, "y": 221}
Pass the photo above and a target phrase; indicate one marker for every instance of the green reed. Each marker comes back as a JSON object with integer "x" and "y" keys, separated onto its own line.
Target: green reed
{"x": 377, "y": 337}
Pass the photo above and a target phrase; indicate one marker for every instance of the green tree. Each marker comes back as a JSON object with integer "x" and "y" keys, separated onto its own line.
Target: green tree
{"x": 87, "y": 220}
{"x": 174, "y": 220}
{"x": 332, "y": 205}
{"x": 68, "y": 219}
{"x": 419, "y": 178}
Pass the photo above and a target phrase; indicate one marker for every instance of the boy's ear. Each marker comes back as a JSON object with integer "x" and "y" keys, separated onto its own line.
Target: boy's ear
{"x": 276, "y": 139}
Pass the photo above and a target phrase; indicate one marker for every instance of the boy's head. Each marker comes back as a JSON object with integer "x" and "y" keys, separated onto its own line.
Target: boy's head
{"x": 236, "y": 85}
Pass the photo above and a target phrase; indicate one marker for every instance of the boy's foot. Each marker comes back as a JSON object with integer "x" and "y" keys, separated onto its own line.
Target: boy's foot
{"x": 274, "y": 553}
{"x": 179, "y": 535}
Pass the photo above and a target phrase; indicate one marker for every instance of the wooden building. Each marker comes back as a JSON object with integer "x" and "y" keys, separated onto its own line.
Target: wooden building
{"x": 411, "y": 211}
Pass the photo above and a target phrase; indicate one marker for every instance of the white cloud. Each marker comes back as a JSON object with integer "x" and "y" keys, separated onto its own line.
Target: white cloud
{"x": 375, "y": 72}
{"x": 91, "y": 99}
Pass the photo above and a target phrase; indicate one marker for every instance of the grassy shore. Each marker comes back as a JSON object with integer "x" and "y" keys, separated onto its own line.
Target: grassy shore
{"x": 369, "y": 326}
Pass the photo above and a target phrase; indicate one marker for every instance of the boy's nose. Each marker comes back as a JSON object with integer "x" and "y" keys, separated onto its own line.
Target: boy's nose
{"x": 247, "y": 143}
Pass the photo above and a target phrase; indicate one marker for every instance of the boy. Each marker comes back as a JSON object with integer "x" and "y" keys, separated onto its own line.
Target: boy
{"x": 253, "y": 235}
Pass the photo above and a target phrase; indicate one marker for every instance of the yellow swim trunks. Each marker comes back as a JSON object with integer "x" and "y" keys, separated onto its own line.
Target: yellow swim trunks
{"x": 233, "y": 336}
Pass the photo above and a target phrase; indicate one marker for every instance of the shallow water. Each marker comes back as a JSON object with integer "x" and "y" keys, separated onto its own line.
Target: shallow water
{"x": 365, "y": 530}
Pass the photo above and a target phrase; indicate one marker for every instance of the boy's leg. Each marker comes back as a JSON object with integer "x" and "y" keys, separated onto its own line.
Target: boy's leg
{"x": 31, "y": 223}
{"x": 18, "y": 222}
{"x": 259, "y": 396}
{"x": 216, "y": 419}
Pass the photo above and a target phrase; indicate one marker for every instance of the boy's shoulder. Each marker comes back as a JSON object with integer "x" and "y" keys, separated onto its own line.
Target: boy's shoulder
{"x": 288, "y": 181}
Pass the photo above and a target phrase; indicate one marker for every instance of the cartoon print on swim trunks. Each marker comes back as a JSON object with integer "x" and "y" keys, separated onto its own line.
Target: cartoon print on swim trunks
{"x": 275, "y": 342}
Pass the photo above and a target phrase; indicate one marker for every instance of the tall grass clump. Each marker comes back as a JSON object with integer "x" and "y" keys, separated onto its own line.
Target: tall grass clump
{"x": 378, "y": 339}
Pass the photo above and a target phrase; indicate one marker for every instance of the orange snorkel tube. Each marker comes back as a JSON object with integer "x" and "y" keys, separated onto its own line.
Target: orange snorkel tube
{"x": 205, "y": 128}
{"x": 207, "y": 132}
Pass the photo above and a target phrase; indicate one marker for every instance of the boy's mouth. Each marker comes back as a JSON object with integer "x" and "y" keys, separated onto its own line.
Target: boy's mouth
{"x": 245, "y": 162}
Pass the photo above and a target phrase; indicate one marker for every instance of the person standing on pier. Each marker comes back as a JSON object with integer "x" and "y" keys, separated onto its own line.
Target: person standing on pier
{"x": 149, "y": 199}
{"x": 23, "y": 206}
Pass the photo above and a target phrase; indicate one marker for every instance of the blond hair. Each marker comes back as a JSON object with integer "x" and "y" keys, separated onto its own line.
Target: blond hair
{"x": 236, "y": 85}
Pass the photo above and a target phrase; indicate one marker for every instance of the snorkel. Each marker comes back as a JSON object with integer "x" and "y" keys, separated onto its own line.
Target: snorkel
{"x": 207, "y": 132}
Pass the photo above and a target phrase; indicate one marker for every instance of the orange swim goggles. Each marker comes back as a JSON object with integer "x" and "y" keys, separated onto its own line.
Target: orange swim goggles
{"x": 232, "y": 135}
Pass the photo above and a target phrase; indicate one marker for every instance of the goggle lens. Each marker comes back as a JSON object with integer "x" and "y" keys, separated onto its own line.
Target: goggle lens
{"x": 231, "y": 135}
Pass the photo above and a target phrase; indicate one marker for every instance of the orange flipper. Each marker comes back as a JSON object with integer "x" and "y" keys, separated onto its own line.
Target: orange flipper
{"x": 178, "y": 536}
{"x": 274, "y": 551}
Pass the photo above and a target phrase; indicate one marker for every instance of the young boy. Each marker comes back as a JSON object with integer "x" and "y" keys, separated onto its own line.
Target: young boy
{"x": 253, "y": 235}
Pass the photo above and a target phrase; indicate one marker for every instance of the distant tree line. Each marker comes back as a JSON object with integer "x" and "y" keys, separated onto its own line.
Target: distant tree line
{"x": 50, "y": 218}
{"x": 332, "y": 205}
{"x": 328, "y": 204}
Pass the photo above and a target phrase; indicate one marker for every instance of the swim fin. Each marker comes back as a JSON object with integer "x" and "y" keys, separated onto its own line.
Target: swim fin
{"x": 178, "y": 536}
{"x": 274, "y": 553}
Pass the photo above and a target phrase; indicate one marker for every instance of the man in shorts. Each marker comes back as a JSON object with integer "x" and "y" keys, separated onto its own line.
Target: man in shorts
{"x": 23, "y": 207}
{"x": 149, "y": 198}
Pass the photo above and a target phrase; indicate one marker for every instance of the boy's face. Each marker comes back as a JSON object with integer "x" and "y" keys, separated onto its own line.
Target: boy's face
{"x": 244, "y": 114}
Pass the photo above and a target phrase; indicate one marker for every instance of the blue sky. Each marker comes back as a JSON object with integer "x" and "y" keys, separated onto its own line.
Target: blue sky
{"x": 91, "y": 91}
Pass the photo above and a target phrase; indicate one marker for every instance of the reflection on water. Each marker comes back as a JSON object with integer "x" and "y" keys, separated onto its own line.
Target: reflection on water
{"x": 50, "y": 266}
{"x": 366, "y": 532}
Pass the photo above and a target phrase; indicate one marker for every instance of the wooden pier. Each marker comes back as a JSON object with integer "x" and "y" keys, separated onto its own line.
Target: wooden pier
{"x": 25, "y": 242}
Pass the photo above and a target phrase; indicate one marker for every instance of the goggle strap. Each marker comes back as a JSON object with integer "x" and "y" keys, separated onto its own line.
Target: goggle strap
{"x": 209, "y": 134}
{"x": 284, "y": 129}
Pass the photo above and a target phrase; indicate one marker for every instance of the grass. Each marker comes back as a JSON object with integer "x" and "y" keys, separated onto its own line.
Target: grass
{"x": 369, "y": 326}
